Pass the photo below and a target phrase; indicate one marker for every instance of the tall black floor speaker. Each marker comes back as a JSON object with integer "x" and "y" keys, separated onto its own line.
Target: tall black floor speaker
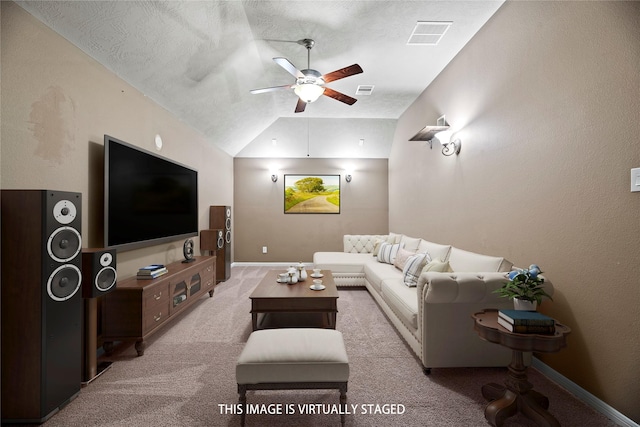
{"x": 220, "y": 218}
{"x": 41, "y": 302}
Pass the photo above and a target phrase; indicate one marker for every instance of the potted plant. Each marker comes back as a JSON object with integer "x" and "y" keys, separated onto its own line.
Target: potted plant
{"x": 525, "y": 288}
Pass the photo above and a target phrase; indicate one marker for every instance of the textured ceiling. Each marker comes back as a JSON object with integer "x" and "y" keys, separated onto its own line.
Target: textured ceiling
{"x": 200, "y": 59}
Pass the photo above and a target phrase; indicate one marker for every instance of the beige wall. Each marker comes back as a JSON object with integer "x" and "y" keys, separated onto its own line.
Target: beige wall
{"x": 57, "y": 104}
{"x": 259, "y": 208}
{"x": 546, "y": 101}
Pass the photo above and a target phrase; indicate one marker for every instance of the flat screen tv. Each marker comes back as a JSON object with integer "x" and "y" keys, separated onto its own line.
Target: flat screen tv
{"x": 148, "y": 200}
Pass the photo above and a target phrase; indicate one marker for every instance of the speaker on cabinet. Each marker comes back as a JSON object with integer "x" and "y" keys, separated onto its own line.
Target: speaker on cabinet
{"x": 99, "y": 274}
{"x": 99, "y": 277}
{"x": 41, "y": 302}
{"x": 220, "y": 218}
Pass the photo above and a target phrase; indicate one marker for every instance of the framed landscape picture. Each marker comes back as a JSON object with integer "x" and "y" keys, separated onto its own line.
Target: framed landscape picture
{"x": 315, "y": 194}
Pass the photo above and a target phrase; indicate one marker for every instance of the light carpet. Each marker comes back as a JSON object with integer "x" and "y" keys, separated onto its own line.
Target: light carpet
{"x": 187, "y": 376}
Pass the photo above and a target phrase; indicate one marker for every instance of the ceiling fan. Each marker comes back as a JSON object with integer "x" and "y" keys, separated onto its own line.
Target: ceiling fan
{"x": 310, "y": 84}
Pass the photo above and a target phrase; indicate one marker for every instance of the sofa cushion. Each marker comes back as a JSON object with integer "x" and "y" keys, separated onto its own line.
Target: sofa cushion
{"x": 376, "y": 272}
{"x": 341, "y": 262}
{"x": 388, "y": 252}
{"x": 402, "y": 299}
{"x": 410, "y": 243}
{"x": 465, "y": 261}
{"x": 401, "y": 258}
{"x": 413, "y": 268}
{"x": 435, "y": 250}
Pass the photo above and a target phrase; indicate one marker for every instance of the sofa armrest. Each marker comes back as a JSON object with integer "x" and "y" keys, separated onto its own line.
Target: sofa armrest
{"x": 360, "y": 243}
{"x": 446, "y": 288}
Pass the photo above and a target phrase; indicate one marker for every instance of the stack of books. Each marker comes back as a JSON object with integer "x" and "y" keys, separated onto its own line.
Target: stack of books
{"x": 526, "y": 322}
{"x": 152, "y": 271}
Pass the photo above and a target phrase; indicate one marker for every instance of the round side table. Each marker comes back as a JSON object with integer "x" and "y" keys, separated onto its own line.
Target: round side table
{"x": 517, "y": 394}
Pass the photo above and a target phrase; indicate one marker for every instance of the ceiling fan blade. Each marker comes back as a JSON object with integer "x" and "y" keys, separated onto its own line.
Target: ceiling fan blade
{"x": 342, "y": 73}
{"x": 270, "y": 89}
{"x": 300, "y": 106}
{"x": 339, "y": 96}
{"x": 291, "y": 69}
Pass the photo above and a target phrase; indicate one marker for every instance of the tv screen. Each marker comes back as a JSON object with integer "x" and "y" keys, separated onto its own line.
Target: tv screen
{"x": 148, "y": 199}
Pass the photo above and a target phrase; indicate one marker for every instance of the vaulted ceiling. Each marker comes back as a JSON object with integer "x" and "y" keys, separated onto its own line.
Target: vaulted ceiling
{"x": 200, "y": 59}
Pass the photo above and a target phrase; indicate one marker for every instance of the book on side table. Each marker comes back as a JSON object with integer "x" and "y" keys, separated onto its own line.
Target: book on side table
{"x": 526, "y": 322}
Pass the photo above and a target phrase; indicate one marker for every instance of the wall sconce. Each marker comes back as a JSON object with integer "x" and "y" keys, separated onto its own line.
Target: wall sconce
{"x": 451, "y": 147}
{"x": 347, "y": 177}
{"x": 274, "y": 173}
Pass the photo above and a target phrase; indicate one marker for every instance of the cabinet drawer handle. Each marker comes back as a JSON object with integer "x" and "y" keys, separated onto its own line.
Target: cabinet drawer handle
{"x": 158, "y": 317}
{"x": 209, "y": 268}
{"x": 209, "y": 283}
{"x": 157, "y": 297}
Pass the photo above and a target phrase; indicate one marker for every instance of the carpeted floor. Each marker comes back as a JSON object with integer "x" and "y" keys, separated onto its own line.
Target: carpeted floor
{"x": 187, "y": 376}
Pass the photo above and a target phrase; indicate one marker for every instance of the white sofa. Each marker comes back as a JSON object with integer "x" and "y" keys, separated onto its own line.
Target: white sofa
{"x": 434, "y": 317}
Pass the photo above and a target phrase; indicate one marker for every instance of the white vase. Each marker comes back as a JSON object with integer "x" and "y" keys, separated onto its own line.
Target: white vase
{"x": 521, "y": 304}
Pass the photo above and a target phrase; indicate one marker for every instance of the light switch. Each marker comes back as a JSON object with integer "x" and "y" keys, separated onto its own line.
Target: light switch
{"x": 635, "y": 179}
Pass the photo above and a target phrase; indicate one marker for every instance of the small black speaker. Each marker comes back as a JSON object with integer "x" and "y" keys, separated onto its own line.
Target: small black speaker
{"x": 99, "y": 274}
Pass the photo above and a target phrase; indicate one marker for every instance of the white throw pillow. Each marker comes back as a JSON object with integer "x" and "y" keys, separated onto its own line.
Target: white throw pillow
{"x": 376, "y": 246}
{"x": 388, "y": 252}
{"x": 438, "y": 266}
{"x": 401, "y": 258}
{"x": 413, "y": 268}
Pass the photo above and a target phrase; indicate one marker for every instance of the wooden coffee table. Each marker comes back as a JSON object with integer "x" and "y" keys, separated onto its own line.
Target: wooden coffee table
{"x": 273, "y": 298}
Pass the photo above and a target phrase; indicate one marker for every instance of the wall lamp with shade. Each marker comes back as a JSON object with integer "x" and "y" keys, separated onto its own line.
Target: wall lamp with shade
{"x": 348, "y": 177}
{"x": 441, "y": 131}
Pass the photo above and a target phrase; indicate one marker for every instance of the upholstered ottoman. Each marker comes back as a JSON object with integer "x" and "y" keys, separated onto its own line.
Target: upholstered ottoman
{"x": 293, "y": 358}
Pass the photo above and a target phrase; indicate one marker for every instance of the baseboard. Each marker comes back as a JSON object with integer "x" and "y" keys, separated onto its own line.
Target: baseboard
{"x": 582, "y": 394}
{"x": 269, "y": 264}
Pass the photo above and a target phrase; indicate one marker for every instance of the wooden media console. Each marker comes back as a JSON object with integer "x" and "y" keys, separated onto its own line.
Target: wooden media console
{"x": 140, "y": 307}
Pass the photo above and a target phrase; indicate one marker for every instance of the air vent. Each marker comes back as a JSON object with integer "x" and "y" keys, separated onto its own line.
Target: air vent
{"x": 428, "y": 32}
{"x": 364, "y": 89}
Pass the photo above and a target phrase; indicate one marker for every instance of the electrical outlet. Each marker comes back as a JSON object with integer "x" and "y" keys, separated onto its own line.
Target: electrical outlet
{"x": 264, "y": 249}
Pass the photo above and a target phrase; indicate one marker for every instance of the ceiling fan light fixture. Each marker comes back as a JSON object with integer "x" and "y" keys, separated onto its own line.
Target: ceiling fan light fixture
{"x": 308, "y": 92}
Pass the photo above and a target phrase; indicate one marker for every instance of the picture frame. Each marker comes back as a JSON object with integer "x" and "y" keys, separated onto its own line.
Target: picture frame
{"x": 311, "y": 194}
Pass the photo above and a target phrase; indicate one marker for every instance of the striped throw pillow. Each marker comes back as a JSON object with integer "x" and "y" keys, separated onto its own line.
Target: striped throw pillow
{"x": 413, "y": 268}
{"x": 388, "y": 252}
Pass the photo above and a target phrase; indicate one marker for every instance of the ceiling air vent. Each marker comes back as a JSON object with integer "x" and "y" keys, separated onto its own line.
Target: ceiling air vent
{"x": 428, "y": 32}
{"x": 364, "y": 89}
